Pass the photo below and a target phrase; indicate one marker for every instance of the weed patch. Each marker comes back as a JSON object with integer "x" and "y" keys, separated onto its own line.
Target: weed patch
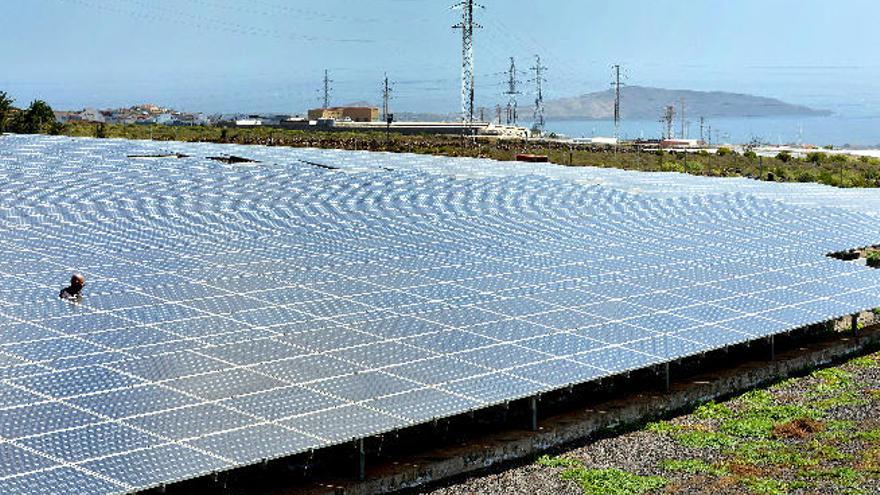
{"x": 712, "y": 410}
{"x": 612, "y": 481}
{"x": 698, "y": 439}
{"x": 693, "y": 466}
{"x": 766, "y": 486}
{"x": 842, "y": 476}
{"x": 764, "y": 453}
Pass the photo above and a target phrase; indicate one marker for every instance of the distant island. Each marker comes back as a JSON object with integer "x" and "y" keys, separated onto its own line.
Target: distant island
{"x": 643, "y": 103}
{"x": 639, "y": 102}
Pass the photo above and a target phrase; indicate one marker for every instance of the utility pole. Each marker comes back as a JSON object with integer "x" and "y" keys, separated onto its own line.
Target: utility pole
{"x": 467, "y": 26}
{"x": 616, "y": 85}
{"x": 668, "y": 120}
{"x": 702, "y": 122}
{"x": 512, "y": 92}
{"x": 386, "y": 98}
{"x": 539, "y": 93}
{"x": 498, "y": 113}
{"x": 681, "y": 110}
{"x": 327, "y": 89}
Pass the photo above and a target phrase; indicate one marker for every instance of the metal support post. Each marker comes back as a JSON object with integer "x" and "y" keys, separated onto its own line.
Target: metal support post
{"x": 362, "y": 460}
{"x": 772, "y": 348}
{"x": 533, "y": 409}
{"x": 666, "y": 376}
{"x": 854, "y": 323}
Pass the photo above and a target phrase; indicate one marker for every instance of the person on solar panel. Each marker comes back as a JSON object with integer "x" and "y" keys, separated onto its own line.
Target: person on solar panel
{"x": 73, "y": 292}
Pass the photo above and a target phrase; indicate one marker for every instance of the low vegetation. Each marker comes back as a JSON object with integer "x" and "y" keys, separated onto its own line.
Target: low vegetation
{"x": 834, "y": 170}
{"x": 816, "y": 434}
{"x": 603, "y": 481}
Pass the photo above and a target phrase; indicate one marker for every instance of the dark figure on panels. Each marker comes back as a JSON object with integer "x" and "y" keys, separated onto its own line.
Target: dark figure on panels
{"x": 74, "y": 291}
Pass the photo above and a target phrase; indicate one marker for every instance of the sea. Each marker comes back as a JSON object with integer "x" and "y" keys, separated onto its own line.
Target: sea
{"x": 834, "y": 130}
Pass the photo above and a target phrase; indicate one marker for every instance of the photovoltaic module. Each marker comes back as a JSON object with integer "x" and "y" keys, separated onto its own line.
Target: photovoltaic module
{"x": 238, "y": 312}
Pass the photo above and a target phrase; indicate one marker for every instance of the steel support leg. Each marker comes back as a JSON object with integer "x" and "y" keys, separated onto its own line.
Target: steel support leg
{"x": 362, "y": 460}
{"x": 854, "y": 323}
{"x": 533, "y": 409}
{"x": 772, "y": 348}
{"x": 666, "y": 379}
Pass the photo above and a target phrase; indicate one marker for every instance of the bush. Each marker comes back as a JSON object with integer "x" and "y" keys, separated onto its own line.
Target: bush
{"x": 724, "y": 151}
{"x": 784, "y": 156}
{"x": 750, "y": 154}
{"x": 816, "y": 157}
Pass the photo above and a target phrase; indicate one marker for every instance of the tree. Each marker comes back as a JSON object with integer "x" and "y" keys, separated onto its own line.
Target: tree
{"x": 5, "y": 107}
{"x": 38, "y": 118}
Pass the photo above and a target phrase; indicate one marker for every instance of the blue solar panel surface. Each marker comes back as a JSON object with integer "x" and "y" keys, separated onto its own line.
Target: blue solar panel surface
{"x": 249, "y": 311}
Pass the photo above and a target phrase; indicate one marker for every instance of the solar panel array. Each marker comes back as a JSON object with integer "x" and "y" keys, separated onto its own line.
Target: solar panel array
{"x": 250, "y": 311}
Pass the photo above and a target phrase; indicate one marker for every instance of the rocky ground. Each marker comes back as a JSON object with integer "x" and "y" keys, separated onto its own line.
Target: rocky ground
{"x": 810, "y": 435}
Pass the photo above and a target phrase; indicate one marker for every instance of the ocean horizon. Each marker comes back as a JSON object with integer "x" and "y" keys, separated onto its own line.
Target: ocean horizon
{"x": 832, "y": 130}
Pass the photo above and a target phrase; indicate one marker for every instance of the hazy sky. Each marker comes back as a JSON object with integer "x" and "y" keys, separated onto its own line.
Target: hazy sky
{"x": 268, "y": 55}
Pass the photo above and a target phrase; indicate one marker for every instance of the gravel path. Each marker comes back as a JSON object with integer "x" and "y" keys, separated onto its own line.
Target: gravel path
{"x": 811, "y": 435}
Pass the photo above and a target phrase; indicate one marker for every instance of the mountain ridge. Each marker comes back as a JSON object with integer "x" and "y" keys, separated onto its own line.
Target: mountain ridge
{"x": 641, "y": 102}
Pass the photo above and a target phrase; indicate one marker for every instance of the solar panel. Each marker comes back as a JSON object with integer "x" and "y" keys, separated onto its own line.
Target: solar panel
{"x": 242, "y": 312}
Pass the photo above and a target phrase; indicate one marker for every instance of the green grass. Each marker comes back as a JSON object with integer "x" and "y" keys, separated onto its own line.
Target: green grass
{"x": 763, "y": 453}
{"x": 837, "y": 431}
{"x": 712, "y": 410}
{"x": 870, "y": 436}
{"x": 832, "y": 380}
{"x": 846, "y": 477}
{"x": 612, "y": 481}
{"x": 865, "y": 362}
{"x": 751, "y": 427}
{"x": 766, "y": 486}
{"x": 663, "y": 427}
{"x": 768, "y": 441}
{"x": 693, "y": 466}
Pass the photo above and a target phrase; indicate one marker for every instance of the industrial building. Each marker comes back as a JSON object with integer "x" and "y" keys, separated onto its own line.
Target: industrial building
{"x": 353, "y": 114}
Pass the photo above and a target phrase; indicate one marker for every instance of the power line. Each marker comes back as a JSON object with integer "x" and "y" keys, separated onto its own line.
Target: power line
{"x": 539, "y": 93}
{"x": 512, "y": 92}
{"x": 467, "y": 26}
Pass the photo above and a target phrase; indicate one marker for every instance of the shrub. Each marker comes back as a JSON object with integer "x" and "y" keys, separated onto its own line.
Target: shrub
{"x": 724, "y": 151}
{"x": 784, "y": 156}
{"x": 816, "y": 157}
{"x": 750, "y": 154}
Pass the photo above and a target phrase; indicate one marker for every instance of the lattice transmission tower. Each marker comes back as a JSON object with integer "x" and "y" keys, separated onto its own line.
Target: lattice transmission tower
{"x": 539, "y": 81}
{"x": 327, "y": 89}
{"x": 512, "y": 92}
{"x": 467, "y": 26}
{"x": 387, "y": 89}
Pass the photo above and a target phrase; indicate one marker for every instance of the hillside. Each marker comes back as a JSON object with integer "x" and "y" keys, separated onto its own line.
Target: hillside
{"x": 638, "y": 102}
